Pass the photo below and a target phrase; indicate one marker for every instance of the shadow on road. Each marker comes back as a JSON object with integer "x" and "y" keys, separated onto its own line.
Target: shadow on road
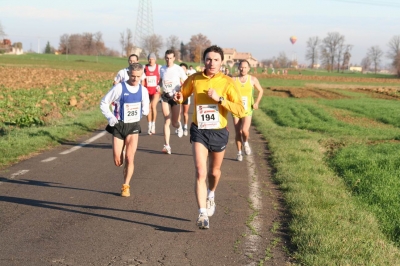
{"x": 66, "y": 207}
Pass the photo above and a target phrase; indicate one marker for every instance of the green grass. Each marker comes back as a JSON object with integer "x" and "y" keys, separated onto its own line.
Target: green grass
{"x": 341, "y": 188}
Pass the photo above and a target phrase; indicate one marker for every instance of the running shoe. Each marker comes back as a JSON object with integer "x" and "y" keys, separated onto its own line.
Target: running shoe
{"x": 210, "y": 204}
{"x": 179, "y": 131}
{"x": 239, "y": 157}
{"x": 149, "y": 131}
{"x": 185, "y": 132}
{"x": 167, "y": 149}
{"x": 153, "y": 129}
{"x": 202, "y": 222}
{"x": 125, "y": 191}
{"x": 247, "y": 149}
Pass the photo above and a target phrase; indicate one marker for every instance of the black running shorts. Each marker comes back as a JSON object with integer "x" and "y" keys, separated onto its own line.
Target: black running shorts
{"x": 121, "y": 130}
{"x": 215, "y": 140}
{"x": 167, "y": 99}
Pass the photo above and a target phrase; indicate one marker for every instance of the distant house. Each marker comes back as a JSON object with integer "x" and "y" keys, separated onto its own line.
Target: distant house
{"x": 232, "y": 57}
{"x": 355, "y": 69}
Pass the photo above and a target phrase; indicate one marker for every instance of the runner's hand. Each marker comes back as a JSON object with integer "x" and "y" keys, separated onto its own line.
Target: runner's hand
{"x": 213, "y": 95}
{"x": 112, "y": 121}
{"x": 178, "y": 96}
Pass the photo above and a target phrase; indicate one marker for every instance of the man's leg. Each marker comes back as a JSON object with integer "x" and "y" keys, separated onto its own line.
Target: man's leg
{"x": 167, "y": 122}
{"x": 118, "y": 148}
{"x": 175, "y": 119}
{"x": 246, "y": 133}
{"x": 131, "y": 143}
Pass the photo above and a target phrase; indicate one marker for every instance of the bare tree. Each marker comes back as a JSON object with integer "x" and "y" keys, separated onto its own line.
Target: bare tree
{"x": 326, "y": 59}
{"x": 346, "y": 56}
{"x": 2, "y": 33}
{"x": 153, "y": 44}
{"x": 366, "y": 63}
{"x": 312, "y": 50}
{"x": 394, "y": 52}
{"x": 122, "y": 42}
{"x": 184, "y": 51}
{"x": 129, "y": 42}
{"x": 330, "y": 46}
{"x": 283, "y": 60}
{"x": 99, "y": 43}
{"x": 197, "y": 44}
{"x": 374, "y": 54}
{"x": 63, "y": 45}
{"x": 172, "y": 43}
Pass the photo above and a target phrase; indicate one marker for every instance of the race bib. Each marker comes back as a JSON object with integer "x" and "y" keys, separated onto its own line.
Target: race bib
{"x": 151, "y": 81}
{"x": 132, "y": 112}
{"x": 169, "y": 85}
{"x": 245, "y": 100}
{"x": 207, "y": 116}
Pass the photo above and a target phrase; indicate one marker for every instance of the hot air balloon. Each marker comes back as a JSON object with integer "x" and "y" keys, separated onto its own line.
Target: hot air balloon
{"x": 293, "y": 39}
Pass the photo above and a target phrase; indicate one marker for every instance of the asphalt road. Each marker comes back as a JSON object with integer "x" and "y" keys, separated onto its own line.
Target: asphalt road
{"x": 63, "y": 207}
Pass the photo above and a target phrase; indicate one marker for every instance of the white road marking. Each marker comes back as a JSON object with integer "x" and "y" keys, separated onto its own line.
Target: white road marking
{"x": 48, "y": 159}
{"x": 20, "y": 172}
{"x": 252, "y": 244}
{"x": 84, "y": 143}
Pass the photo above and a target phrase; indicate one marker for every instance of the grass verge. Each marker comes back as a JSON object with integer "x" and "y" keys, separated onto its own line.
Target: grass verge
{"x": 329, "y": 226}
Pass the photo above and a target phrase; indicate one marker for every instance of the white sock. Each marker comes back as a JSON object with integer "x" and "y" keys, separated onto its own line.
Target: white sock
{"x": 203, "y": 210}
{"x": 185, "y": 126}
{"x": 211, "y": 194}
{"x": 246, "y": 143}
{"x": 180, "y": 125}
{"x": 239, "y": 152}
{"x": 149, "y": 124}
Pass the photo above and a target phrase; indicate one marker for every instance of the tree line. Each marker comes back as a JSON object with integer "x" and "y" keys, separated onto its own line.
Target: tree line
{"x": 334, "y": 53}
{"x": 93, "y": 44}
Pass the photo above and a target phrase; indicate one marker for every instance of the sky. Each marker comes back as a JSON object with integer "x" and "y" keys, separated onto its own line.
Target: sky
{"x": 260, "y": 27}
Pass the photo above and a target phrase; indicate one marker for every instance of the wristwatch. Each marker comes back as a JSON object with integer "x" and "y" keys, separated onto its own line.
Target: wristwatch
{"x": 220, "y": 100}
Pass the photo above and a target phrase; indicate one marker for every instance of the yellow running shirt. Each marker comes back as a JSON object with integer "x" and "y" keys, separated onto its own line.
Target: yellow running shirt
{"x": 208, "y": 114}
{"x": 246, "y": 90}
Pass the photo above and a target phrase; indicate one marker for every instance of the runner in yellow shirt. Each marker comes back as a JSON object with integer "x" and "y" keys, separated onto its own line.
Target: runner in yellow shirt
{"x": 246, "y": 84}
{"x": 214, "y": 95}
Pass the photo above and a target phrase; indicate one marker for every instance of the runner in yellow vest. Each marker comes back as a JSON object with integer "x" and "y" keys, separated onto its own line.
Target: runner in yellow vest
{"x": 245, "y": 83}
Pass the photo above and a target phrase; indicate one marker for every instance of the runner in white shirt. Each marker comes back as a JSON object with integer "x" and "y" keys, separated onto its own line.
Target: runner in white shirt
{"x": 122, "y": 75}
{"x": 190, "y": 71}
{"x": 172, "y": 77}
{"x": 131, "y": 101}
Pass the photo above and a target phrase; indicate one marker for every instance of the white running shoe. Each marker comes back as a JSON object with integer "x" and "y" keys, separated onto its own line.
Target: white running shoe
{"x": 185, "y": 132}
{"x": 202, "y": 222}
{"x": 167, "y": 149}
{"x": 239, "y": 157}
{"x": 247, "y": 149}
{"x": 210, "y": 204}
{"x": 153, "y": 128}
{"x": 149, "y": 131}
{"x": 179, "y": 131}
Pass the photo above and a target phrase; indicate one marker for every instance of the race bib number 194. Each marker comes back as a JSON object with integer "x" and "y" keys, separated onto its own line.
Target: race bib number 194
{"x": 208, "y": 116}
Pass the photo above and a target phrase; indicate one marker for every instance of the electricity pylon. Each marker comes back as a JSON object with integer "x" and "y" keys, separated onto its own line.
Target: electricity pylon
{"x": 144, "y": 22}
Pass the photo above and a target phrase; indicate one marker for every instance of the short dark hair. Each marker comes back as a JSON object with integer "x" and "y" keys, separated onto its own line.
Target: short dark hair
{"x": 215, "y": 49}
{"x": 137, "y": 57}
{"x": 183, "y": 64}
{"x": 169, "y": 51}
{"x": 244, "y": 60}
